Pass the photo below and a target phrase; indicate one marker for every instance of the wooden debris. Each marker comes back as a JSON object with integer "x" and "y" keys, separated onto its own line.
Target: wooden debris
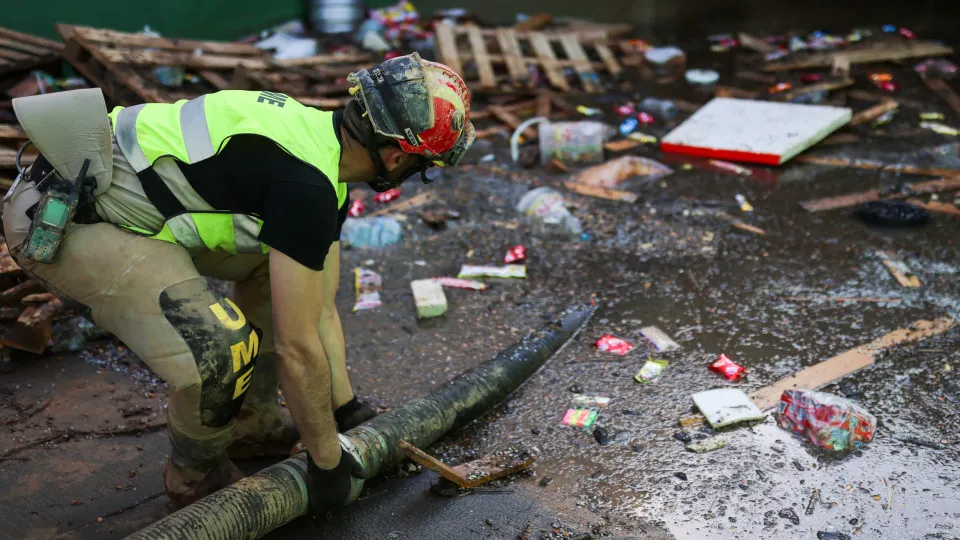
{"x": 400, "y": 206}
{"x": 755, "y": 77}
{"x": 9, "y": 131}
{"x": 509, "y": 49}
{"x": 823, "y": 373}
{"x": 942, "y": 89}
{"x": 853, "y": 199}
{"x": 860, "y": 299}
{"x": 740, "y": 224}
{"x": 871, "y": 114}
{"x": 22, "y": 52}
{"x": 734, "y": 92}
{"x": 534, "y": 22}
{"x": 899, "y": 270}
{"x": 429, "y": 298}
{"x": 876, "y": 166}
{"x": 512, "y": 121}
{"x": 811, "y": 88}
{"x": 473, "y": 473}
{"x": 755, "y": 44}
{"x": 8, "y": 266}
{"x": 621, "y": 145}
{"x": 518, "y": 107}
{"x": 544, "y": 104}
{"x": 37, "y": 297}
{"x": 840, "y": 138}
{"x": 692, "y": 420}
{"x": 42, "y": 314}
{"x": 602, "y": 192}
{"x": 877, "y": 52}
{"x": 558, "y": 165}
{"x": 936, "y": 206}
{"x": 14, "y": 294}
{"x": 870, "y": 96}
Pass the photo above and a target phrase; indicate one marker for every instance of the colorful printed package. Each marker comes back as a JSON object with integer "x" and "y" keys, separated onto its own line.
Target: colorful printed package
{"x": 367, "y": 285}
{"x": 728, "y": 368}
{"x": 509, "y": 271}
{"x": 826, "y": 420}
{"x": 651, "y": 371}
{"x": 613, "y": 344}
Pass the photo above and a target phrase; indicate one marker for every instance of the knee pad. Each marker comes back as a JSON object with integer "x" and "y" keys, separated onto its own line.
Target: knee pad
{"x": 224, "y": 346}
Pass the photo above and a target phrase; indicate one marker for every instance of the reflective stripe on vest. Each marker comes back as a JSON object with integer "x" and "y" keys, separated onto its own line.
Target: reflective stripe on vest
{"x": 234, "y": 233}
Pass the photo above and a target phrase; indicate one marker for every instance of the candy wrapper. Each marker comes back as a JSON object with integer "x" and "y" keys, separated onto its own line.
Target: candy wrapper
{"x": 728, "y": 368}
{"x": 509, "y": 271}
{"x": 828, "y": 421}
{"x": 387, "y": 196}
{"x": 584, "y": 418}
{"x": 367, "y": 284}
{"x": 457, "y": 283}
{"x": 581, "y": 400}
{"x": 357, "y": 208}
{"x": 614, "y": 345}
{"x": 651, "y": 371}
{"x": 515, "y": 254}
{"x": 659, "y": 338}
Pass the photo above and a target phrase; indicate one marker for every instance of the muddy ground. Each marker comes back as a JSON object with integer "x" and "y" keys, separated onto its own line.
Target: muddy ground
{"x": 82, "y": 446}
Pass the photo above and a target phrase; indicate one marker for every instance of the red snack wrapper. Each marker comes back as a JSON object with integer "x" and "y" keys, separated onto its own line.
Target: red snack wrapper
{"x": 728, "y": 368}
{"x": 387, "y": 195}
{"x": 614, "y": 345}
{"x": 827, "y": 421}
{"x": 515, "y": 254}
{"x": 888, "y": 86}
{"x": 645, "y": 118}
{"x": 907, "y": 33}
{"x": 810, "y": 78}
{"x": 624, "y": 110}
{"x": 357, "y": 208}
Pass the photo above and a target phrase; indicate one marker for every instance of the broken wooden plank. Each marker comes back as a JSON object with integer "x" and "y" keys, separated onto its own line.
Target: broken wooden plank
{"x": 447, "y": 47}
{"x": 8, "y": 131}
{"x": 840, "y": 138}
{"x": 481, "y": 58}
{"x": 871, "y": 114}
{"x": 852, "y": 199}
{"x": 859, "y": 299}
{"x": 936, "y": 206}
{"x": 530, "y": 104}
{"x": 491, "y": 131}
{"x": 34, "y": 339}
{"x": 876, "y": 166}
{"x": 54, "y": 46}
{"x": 602, "y": 192}
{"x": 899, "y": 270}
{"x": 621, "y": 145}
{"x": 474, "y": 473}
{"x": 8, "y": 266}
{"x": 511, "y": 120}
{"x": 870, "y": 96}
{"x": 14, "y": 294}
{"x": 755, "y": 77}
{"x": 819, "y": 375}
{"x": 888, "y": 52}
{"x": 40, "y": 297}
{"x": 825, "y": 86}
{"x": 608, "y": 58}
{"x": 734, "y": 92}
{"x": 42, "y": 315}
{"x": 589, "y": 79}
{"x": 740, "y": 224}
{"x": 548, "y": 61}
{"x": 755, "y": 44}
{"x": 513, "y": 55}
{"x": 942, "y": 89}
{"x": 533, "y": 22}
{"x": 400, "y": 206}
{"x": 126, "y": 39}
{"x": 544, "y": 104}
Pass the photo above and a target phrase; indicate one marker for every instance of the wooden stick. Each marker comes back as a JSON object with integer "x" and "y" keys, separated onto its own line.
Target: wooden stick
{"x": 400, "y": 206}
{"x": 125, "y": 39}
{"x": 602, "y": 192}
{"x": 621, "y": 145}
{"x": 755, "y": 77}
{"x": 876, "y": 166}
{"x": 17, "y": 292}
{"x": 41, "y": 315}
{"x": 864, "y": 299}
{"x": 480, "y": 57}
{"x": 803, "y": 90}
{"x": 54, "y": 46}
{"x": 899, "y": 270}
{"x": 871, "y": 114}
{"x": 819, "y": 375}
{"x": 447, "y": 47}
{"x": 544, "y": 104}
{"x": 513, "y": 107}
{"x": 534, "y": 22}
{"x": 936, "y": 206}
{"x": 870, "y": 96}
{"x": 853, "y": 199}
{"x": 944, "y": 91}
{"x": 900, "y": 50}
{"x": 734, "y": 92}
{"x": 740, "y": 224}
{"x": 755, "y": 44}
{"x": 511, "y": 120}
{"x": 8, "y": 131}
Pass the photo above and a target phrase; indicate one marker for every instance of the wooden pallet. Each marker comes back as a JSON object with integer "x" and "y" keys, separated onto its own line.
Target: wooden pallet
{"x": 20, "y": 52}
{"x": 122, "y": 63}
{"x": 514, "y": 51}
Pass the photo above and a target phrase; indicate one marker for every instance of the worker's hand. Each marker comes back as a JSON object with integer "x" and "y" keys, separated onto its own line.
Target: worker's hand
{"x": 331, "y": 487}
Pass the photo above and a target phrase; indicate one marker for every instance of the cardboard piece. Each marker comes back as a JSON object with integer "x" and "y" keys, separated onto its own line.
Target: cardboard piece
{"x": 726, "y": 406}
{"x": 754, "y": 131}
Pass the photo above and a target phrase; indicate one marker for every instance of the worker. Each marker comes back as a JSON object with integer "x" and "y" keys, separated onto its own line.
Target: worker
{"x": 124, "y": 214}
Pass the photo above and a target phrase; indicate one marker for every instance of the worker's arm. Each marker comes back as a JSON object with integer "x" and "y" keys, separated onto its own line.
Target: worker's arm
{"x": 302, "y": 364}
{"x": 331, "y": 330}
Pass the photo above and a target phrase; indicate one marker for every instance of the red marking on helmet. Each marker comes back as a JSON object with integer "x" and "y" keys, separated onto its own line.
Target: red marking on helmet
{"x": 439, "y": 138}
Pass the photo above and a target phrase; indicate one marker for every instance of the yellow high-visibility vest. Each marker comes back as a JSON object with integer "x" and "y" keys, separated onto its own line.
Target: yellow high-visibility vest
{"x": 195, "y": 130}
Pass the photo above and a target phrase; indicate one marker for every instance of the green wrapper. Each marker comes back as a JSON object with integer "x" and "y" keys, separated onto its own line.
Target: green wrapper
{"x": 651, "y": 371}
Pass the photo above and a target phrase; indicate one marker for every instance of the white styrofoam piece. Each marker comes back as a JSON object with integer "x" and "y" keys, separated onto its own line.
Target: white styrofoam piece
{"x": 754, "y": 131}
{"x": 726, "y": 406}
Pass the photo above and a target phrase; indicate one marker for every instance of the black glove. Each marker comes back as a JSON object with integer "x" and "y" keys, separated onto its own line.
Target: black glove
{"x": 330, "y": 488}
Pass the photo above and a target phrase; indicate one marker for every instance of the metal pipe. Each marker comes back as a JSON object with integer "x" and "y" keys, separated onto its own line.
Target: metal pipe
{"x": 279, "y": 494}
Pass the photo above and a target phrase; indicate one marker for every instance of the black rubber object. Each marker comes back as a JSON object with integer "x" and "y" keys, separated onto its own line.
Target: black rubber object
{"x": 892, "y": 214}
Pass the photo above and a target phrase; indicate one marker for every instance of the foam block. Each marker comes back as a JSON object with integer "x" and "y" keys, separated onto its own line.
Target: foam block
{"x": 429, "y": 298}
{"x": 754, "y": 131}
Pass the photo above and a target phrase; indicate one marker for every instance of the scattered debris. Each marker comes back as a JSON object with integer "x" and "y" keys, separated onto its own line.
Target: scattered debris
{"x": 827, "y": 421}
{"x": 371, "y": 232}
{"x": 518, "y": 271}
{"x": 548, "y": 207}
{"x": 789, "y": 515}
{"x": 728, "y": 368}
{"x": 474, "y": 473}
{"x": 708, "y": 445}
{"x": 726, "y": 406}
{"x": 515, "y": 254}
{"x": 367, "y": 285}
{"x": 579, "y": 417}
{"x": 612, "y": 344}
{"x": 651, "y": 371}
{"x": 617, "y": 170}
{"x": 429, "y": 298}
{"x": 898, "y": 269}
{"x": 659, "y": 338}
{"x": 853, "y": 199}
{"x": 458, "y": 283}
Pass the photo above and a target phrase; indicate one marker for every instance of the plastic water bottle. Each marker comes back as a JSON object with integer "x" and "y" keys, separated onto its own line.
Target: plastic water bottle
{"x": 371, "y": 232}
{"x": 548, "y": 208}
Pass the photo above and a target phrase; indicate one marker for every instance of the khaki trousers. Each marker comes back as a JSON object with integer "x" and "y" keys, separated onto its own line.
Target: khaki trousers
{"x": 152, "y": 295}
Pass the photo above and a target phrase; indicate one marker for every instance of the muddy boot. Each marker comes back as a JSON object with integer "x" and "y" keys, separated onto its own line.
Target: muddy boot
{"x": 264, "y": 428}
{"x": 351, "y": 414}
{"x": 185, "y": 485}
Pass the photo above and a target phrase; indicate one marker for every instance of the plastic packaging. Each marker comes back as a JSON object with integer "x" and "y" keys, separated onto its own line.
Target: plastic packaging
{"x": 728, "y": 368}
{"x": 702, "y": 76}
{"x": 645, "y": 118}
{"x": 508, "y": 271}
{"x": 745, "y": 205}
{"x": 629, "y": 125}
{"x": 458, "y": 283}
{"x": 651, "y": 371}
{"x": 613, "y": 344}
{"x": 367, "y": 285}
{"x": 582, "y": 400}
{"x": 389, "y": 195}
{"x": 584, "y": 418}
{"x": 573, "y": 143}
{"x": 548, "y": 207}
{"x": 659, "y": 338}
{"x": 661, "y": 108}
{"x": 515, "y": 254}
{"x": 826, "y": 420}
{"x": 357, "y": 208}
{"x": 371, "y": 232}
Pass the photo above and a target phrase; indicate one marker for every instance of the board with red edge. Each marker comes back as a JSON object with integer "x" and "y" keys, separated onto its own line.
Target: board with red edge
{"x": 754, "y": 131}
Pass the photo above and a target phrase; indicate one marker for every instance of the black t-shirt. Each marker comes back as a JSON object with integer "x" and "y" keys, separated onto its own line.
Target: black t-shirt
{"x": 297, "y": 203}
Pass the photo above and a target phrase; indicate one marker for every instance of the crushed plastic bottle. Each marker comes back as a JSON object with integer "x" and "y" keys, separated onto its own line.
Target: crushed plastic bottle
{"x": 371, "y": 232}
{"x": 548, "y": 208}
{"x": 826, "y": 420}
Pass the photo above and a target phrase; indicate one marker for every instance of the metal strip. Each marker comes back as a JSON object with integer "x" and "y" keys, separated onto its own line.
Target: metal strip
{"x": 299, "y": 477}
{"x": 185, "y": 231}
{"x": 246, "y": 229}
{"x": 127, "y": 137}
{"x": 196, "y": 133}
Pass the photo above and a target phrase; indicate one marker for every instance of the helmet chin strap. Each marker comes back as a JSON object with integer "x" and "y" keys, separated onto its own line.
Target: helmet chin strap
{"x": 380, "y": 182}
